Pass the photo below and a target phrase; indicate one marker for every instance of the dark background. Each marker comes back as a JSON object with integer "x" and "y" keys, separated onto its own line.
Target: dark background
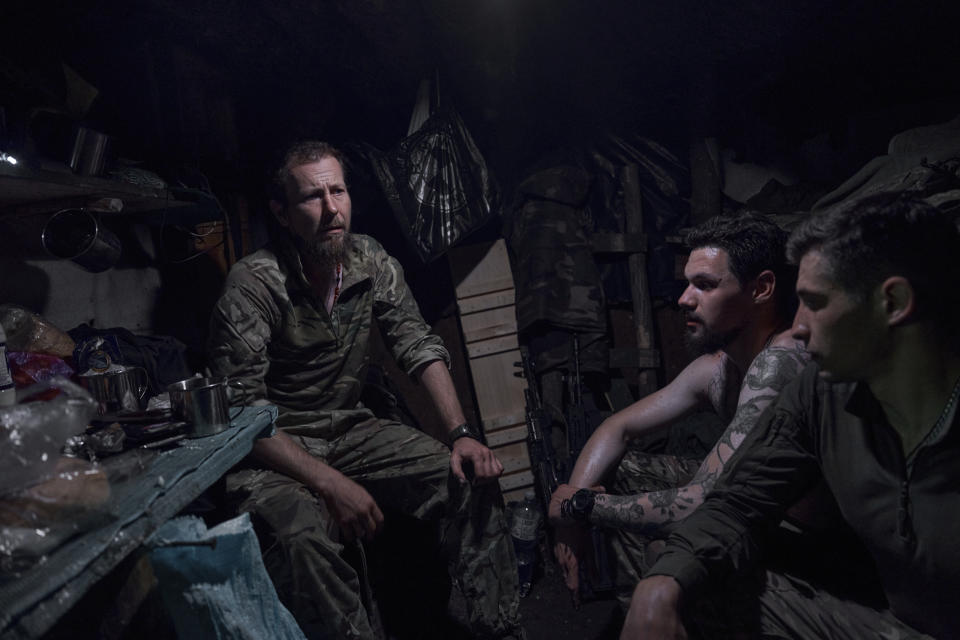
{"x": 216, "y": 85}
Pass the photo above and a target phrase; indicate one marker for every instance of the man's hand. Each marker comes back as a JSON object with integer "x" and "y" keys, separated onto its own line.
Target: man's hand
{"x": 486, "y": 467}
{"x": 352, "y": 507}
{"x": 562, "y": 492}
{"x": 654, "y": 611}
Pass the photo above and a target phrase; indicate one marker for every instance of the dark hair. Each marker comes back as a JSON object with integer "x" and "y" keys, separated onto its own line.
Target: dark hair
{"x": 753, "y": 243}
{"x": 868, "y": 240}
{"x": 299, "y": 153}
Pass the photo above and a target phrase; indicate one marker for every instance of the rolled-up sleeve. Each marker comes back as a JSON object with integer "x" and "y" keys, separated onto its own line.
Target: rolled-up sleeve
{"x": 770, "y": 470}
{"x": 406, "y": 333}
{"x": 240, "y": 331}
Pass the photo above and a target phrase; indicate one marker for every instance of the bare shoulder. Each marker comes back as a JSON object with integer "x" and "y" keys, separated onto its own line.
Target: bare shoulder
{"x": 785, "y": 340}
{"x": 717, "y": 381}
{"x": 777, "y": 364}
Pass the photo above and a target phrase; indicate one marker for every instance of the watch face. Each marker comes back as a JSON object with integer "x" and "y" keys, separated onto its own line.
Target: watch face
{"x": 582, "y": 501}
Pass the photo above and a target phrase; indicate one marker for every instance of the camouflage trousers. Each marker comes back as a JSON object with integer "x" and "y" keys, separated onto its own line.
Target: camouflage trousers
{"x": 769, "y": 605}
{"x": 406, "y": 472}
{"x": 635, "y": 552}
{"x": 788, "y": 608}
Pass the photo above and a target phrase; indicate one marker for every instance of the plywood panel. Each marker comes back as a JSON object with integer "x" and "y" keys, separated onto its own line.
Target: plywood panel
{"x": 513, "y": 457}
{"x": 521, "y": 480}
{"x": 491, "y": 323}
{"x": 494, "y": 346}
{"x": 499, "y": 393}
{"x": 480, "y": 268}
{"x": 517, "y": 433}
{"x": 485, "y": 301}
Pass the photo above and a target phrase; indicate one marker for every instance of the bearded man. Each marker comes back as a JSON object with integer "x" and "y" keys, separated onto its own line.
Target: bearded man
{"x": 294, "y": 325}
{"x": 739, "y": 304}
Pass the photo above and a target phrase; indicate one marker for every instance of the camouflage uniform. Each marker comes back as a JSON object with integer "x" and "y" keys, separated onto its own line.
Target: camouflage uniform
{"x": 557, "y": 280}
{"x": 633, "y": 551}
{"x": 269, "y": 331}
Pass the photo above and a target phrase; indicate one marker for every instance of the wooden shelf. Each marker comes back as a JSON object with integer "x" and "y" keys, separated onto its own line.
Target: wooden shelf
{"x": 27, "y": 191}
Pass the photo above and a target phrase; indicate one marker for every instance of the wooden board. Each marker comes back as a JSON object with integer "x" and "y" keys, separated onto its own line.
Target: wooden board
{"x": 486, "y": 303}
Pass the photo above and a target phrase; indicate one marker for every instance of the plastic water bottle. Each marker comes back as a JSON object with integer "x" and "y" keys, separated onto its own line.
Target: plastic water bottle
{"x": 8, "y": 394}
{"x": 524, "y": 529}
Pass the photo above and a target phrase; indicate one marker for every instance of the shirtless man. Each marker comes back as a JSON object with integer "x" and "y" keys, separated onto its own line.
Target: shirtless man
{"x": 875, "y": 419}
{"x": 739, "y": 305}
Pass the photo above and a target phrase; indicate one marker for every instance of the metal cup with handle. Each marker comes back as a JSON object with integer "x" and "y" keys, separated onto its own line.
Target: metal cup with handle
{"x": 204, "y": 404}
{"x": 118, "y": 391}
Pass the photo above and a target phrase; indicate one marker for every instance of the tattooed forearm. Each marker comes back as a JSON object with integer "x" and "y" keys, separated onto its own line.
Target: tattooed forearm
{"x": 653, "y": 512}
{"x": 647, "y": 512}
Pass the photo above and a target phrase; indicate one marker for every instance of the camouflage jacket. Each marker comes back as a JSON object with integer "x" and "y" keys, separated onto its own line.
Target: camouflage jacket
{"x": 269, "y": 331}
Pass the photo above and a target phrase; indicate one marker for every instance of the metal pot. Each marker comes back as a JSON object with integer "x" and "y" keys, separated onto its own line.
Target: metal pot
{"x": 204, "y": 403}
{"x": 118, "y": 391}
{"x": 76, "y": 234}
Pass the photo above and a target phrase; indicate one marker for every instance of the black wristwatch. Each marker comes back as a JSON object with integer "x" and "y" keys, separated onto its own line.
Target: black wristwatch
{"x": 464, "y": 431}
{"x": 579, "y": 506}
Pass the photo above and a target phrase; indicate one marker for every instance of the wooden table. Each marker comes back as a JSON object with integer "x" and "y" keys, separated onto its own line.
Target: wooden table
{"x": 31, "y": 603}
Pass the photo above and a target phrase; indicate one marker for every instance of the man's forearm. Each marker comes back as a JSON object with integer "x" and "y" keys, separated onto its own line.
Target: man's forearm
{"x": 281, "y": 453}
{"x": 439, "y": 385}
{"x": 602, "y": 452}
{"x": 649, "y": 513}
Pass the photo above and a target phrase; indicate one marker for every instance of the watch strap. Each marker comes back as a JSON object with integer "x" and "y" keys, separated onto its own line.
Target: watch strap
{"x": 464, "y": 431}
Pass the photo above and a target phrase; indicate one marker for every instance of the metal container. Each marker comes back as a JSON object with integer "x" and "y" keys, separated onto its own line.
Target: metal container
{"x": 202, "y": 402}
{"x": 118, "y": 391}
{"x": 76, "y": 234}
{"x": 89, "y": 152}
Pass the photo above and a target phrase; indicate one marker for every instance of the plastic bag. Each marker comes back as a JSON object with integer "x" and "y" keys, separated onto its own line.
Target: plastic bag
{"x": 33, "y": 433}
{"x": 437, "y": 184}
{"x": 214, "y": 584}
{"x": 26, "y": 331}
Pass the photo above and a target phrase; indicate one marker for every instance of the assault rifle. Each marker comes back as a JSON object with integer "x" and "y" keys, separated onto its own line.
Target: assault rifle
{"x": 539, "y": 448}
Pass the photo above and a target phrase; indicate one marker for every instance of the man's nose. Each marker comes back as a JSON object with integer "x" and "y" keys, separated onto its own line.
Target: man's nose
{"x": 686, "y": 299}
{"x": 800, "y": 330}
{"x": 328, "y": 204}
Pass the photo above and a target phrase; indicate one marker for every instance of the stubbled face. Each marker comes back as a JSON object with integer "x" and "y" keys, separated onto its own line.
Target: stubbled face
{"x": 717, "y": 306}
{"x": 318, "y": 210}
{"x": 843, "y": 334}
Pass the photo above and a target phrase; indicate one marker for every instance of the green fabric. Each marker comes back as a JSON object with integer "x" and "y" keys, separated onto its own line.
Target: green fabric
{"x": 269, "y": 331}
{"x": 406, "y": 472}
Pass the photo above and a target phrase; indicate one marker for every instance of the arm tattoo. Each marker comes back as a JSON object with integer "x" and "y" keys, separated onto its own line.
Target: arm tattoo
{"x": 654, "y": 512}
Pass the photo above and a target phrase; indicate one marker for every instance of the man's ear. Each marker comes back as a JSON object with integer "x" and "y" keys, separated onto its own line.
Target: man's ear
{"x": 279, "y": 213}
{"x": 899, "y": 300}
{"x": 766, "y": 283}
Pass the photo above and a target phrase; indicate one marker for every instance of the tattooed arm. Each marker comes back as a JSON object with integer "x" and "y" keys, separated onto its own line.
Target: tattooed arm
{"x": 687, "y": 392}
{"x": 656, "y": 511}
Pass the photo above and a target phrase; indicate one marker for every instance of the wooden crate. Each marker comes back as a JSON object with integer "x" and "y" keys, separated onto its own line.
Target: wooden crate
{"x": 485, "y": 301}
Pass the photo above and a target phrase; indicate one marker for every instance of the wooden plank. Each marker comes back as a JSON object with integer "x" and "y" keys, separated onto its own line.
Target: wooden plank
{"x": 522, "y": 479}
{"x": 507, "y": 436}
{"x": 639, "y": 285}
{"x": 507, "y": 420}
{"x": 491, "y": 323}
{"x": 498, "y": 393}
{"x": 480, "y": 268}
{"x": 513, "y": 457}
{"x": 516, "y": 495}
{"x": 485, "y": 301}
{"x": 494, "y": 346}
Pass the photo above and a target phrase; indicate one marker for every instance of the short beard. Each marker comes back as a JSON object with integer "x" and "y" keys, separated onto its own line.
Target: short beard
{"x": 327, "y": 252}
{"x": 710, "y": 341}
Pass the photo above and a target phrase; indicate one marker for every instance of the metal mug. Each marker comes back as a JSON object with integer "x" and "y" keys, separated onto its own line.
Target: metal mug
{"x": 118, "y": 391}
{"x": 203, "y": 403}
{"x": 76, "y": 234}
